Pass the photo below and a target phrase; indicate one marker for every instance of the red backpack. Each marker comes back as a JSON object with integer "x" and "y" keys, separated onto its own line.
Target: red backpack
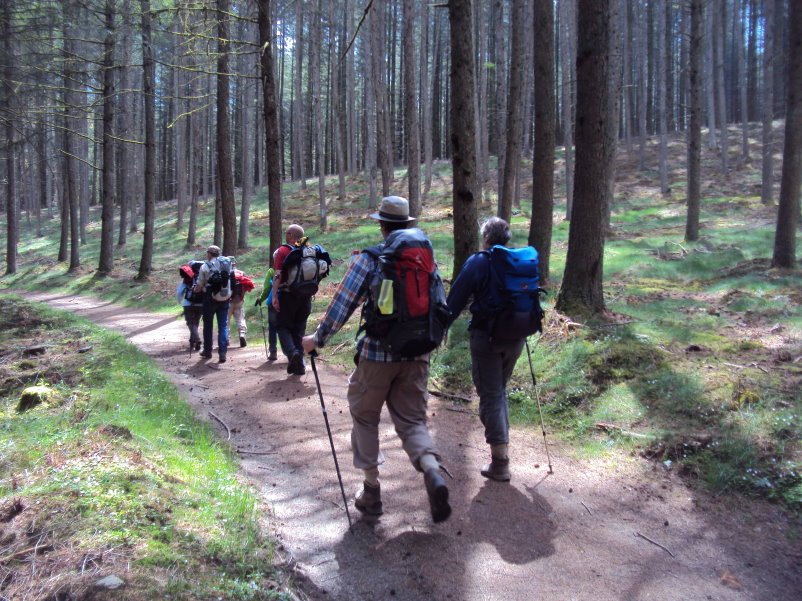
{"x": 406, "y": 308}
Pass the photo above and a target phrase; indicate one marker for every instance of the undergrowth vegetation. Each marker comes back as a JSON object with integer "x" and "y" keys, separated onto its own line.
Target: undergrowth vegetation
{"x": 108, "y": 471}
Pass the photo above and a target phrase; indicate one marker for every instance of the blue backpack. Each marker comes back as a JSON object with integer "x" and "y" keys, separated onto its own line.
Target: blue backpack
{"x": 514, "y": 292}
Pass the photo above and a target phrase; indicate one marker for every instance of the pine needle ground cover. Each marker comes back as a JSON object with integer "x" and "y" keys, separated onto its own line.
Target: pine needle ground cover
{"x": 107, "y": 472}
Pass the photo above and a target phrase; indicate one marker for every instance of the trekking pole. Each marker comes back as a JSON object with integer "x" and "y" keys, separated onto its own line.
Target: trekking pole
{"x": 539, "y": 408}
{"x": 264, "y": 333}
{"x": 312, "y": 356}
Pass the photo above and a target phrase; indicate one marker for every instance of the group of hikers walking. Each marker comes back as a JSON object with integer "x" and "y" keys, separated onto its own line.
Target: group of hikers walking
{"x": 405, "y": 314}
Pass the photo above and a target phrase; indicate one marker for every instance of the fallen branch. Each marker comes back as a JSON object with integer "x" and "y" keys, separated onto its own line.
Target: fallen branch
{"x": 257, "y": 452}
{"x": 655, "y": 543}
{"x": 586, "y": 507}
{"x": 613, "y": 428}
{"x": 224, "y": 424}
{"x": 447, "y": 395}
{"x": 19, "y": 554}
{"x": 458, "y": 410}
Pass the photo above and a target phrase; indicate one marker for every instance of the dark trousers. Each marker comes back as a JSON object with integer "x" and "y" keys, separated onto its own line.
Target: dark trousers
{"x": 192, "y": 315}
{"x": 491, "y": 367}
{"x": 291, "y": 323}
{"x": 212, "y": 309}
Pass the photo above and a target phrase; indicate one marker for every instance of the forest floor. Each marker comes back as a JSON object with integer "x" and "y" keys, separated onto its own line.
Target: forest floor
{"x": 595, "y": 529}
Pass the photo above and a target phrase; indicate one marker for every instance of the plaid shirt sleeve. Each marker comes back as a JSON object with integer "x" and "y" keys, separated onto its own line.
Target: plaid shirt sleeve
{"x": 351, "y": 293}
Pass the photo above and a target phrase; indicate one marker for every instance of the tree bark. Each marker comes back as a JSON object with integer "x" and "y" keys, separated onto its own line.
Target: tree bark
{"x": 540, "y": 226}
{"x": 660, "y": 15}
{"x": 426, "y": 101}
{"x": 596, "y": 127}
{"x": 298, "y": 105}
{"x": 149, "y": 85}
{"x": 788, "y": 210}
{"x": 383, "y": 133}
{"x": 695, "y": 125}
{"x": 246, "y": 142}
{"x": 12, "y": 232}
{"x": 123, "y": 152}
{"x": 463, "y": 134}
{"x": 411, "y": 109}
{"x": 106, "y": 260}
{"x": 766, "y": 182}
{"x": 272, "y": 141}
{"x": 317, "y": 113}
{"x": 512, "y": 161}
{"x": 71, "y": 187}
{"x": 719, "y": 23}
{"x": 567, "y": 56}
{"x": 225, "y": 175}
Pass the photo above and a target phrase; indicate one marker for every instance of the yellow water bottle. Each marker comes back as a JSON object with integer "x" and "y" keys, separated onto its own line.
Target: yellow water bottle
{"x": 386, "y": 297}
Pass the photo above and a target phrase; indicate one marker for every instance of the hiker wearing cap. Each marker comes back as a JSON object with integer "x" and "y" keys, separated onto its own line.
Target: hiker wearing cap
{"x": 242, "y": 285}
{"x": 293, "y": 310}
{"x": 214, "y": 279}
{"x": 380, "y": 378}
{"x": 492, "y": 360}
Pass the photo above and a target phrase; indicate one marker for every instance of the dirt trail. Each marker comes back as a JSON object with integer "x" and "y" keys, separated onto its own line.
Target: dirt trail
{"x": 579, "y": 534}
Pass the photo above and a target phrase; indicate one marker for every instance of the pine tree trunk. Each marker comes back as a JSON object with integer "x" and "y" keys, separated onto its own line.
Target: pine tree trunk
{"x": 317, "y": 113}
{"x": 719, "y": 34}
{"x": 660, "y": 24}
{"x": 512, "y": 161}
{"x": 149, "y": 86}
{"x": 463, "y": 140}
{"x": 225, "y": 175}
{"x": 596, "y": 127}
{"x": 788, "y": 211}
{"x": 426, "y": 101}
{"x": 12, "y": 232}
{"x": 695, "y": 126}
{"x": 411, "y": 109}
{"x": 299, "y": 156}
{"x": 540, "y": 226}
{"x": 246, "y": 143}
{"x": 271, "y": 119}
{"x": 767, "y": 183}
{"x": 106, "y": 260}
{"x": 567, "y": 55}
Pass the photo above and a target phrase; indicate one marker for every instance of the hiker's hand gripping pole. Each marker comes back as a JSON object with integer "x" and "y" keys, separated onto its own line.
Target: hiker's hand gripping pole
{"x": 312, "y": 356}
{"x": 539, "y": 409}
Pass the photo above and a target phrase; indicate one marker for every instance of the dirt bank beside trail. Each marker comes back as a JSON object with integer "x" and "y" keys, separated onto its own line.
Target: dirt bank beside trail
{"x": 591, "y": 531}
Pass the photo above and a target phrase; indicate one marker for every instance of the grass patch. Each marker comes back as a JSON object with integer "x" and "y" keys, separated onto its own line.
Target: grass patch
{"x": 114, "y": 475}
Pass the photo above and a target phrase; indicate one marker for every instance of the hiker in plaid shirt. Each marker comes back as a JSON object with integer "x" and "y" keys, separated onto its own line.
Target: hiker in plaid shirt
{"x": 378, "y": 379}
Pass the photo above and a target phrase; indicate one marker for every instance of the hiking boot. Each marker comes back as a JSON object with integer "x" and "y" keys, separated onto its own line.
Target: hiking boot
{"x": 296, "y": 365}
{"x": 498, "y": 469}
{"x": 369, "y": 499}
{"x": 197, "y": 346}
{"x": 242, "y": 342}
{"x": 438, "y": 495}
{"x": 222, "y": 359}
{"x": 273, "y": 356}
{"x": 206, "y": 354}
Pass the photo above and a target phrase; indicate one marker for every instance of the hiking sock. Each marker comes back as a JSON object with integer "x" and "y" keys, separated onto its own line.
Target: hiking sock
{"x": 428, "y": 461}
{"x": 499, "y": 450}
{"x": 372, "y": 475}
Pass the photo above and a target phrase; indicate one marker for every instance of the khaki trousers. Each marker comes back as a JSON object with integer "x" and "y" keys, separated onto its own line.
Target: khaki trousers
{"x": 402, "y": 385}
{"x": 237, "y": 311}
